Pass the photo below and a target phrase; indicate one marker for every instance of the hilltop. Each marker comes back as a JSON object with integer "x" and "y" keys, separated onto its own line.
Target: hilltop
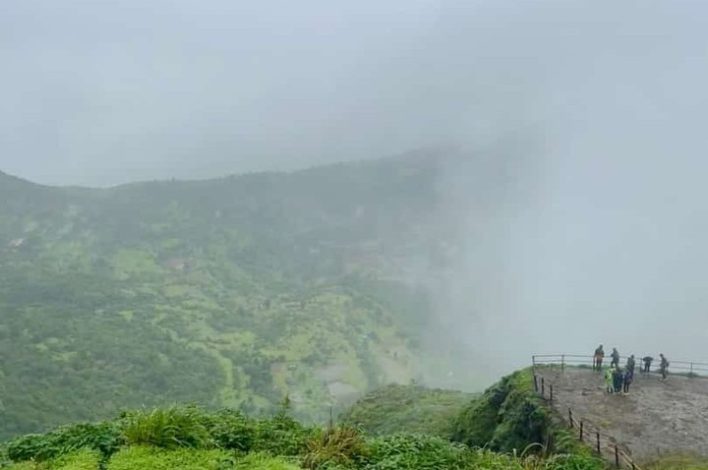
{"x": 655, "y": 419}
{"x": 229, "y": 292}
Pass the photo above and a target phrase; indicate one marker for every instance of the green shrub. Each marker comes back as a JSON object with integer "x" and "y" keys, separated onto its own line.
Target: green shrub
{"x": 102, "y": 437}
{"x": 83, "y": 460}
{"x": 21, "y": 466}
{"x": 282, "y": 435}
{"x": 573, "y": 462}
{"x": 230, "y": 429}
{"x": 168, "y": 428}
{"x": 523, "y": 421}
{"x": 419, "y": 452}
{"x": 31, "y": 446}
{"x": 143, "y": 458}
{"x": 341, "y": 446}
{"x": 262, "y": 461}
{"x": 509, "y": 416}
{"x": 485, "y": 459}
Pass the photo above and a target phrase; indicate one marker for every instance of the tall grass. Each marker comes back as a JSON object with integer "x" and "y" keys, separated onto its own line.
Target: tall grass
{"x": 342, "y": 446}
{"x": 167, "y": 428}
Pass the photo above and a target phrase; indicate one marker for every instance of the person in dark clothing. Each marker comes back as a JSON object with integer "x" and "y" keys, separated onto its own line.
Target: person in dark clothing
{"x": 617, "y": 377}
{"x": 663, "y": 367}
{"x": 628, "y": 379}
{"x": 630, "y": 364}
{"x": 615, "y": 358}
{"x": 597, "y": 359}
{"x": 647, "y": 364}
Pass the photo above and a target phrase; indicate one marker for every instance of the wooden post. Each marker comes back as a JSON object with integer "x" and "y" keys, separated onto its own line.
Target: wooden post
{"x": 599, "y": 451}
{"x": 570, "y": 417}
{"x": 533, "y": 362}
{"x": 543, "y": 387}
{"x": 581, "y": 430}
{"x": 535, "y": 382}
{"x": 551, "y": 399}
{"x": 617, "y": 456}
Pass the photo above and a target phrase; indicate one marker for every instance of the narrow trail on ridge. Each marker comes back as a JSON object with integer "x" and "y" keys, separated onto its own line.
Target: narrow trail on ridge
{"x": 656, "y": 418}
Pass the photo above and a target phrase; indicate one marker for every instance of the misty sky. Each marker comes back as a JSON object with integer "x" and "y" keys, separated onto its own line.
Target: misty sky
{"x": 104, "y": 92}
{"x": 601, "y": 230}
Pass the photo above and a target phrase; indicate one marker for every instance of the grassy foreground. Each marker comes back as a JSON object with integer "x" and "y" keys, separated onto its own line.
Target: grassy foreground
{"x": 190, "y": 438}
{"x": 507, "y": 427}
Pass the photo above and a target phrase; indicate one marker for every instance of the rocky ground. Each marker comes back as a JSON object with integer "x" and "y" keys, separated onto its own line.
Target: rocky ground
{"x": 656, "y": 418}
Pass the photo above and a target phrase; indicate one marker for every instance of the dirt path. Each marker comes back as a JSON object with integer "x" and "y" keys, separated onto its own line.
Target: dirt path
{"x": 655, "y": 418}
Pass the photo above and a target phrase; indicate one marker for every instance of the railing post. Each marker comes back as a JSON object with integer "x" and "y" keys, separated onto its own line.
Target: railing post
{"x": 543, "y": 387}
{"x": 551, "y": 397}
{"x": 535, "y": 382}
{"x": 581, "y": 430}
{"x": 617, "y": 456}
{"x": 570, "y": 417}
{"x": 533, "y": 363}
{"x": 597, "y": 435}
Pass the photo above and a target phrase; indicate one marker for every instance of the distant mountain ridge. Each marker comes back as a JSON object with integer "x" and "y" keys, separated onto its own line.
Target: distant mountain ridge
{"x": 228, "y": 292}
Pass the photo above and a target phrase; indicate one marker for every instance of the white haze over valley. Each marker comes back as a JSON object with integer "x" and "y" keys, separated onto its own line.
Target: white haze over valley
{"x": 581, "y": 209}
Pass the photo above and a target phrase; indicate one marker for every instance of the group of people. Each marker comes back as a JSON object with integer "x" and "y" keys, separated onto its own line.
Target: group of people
{"x": 619, "y": 379}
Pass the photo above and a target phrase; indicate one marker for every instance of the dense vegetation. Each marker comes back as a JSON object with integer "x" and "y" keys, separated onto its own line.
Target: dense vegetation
{"x": 509, "y": 416}
{"x": 231, "y": 292}
{"x": 407, "y": 408}
{"x": 191, "y": 438}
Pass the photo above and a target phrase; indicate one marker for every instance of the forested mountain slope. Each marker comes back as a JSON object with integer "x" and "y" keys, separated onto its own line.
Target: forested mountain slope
{"x": 230, "y": 292}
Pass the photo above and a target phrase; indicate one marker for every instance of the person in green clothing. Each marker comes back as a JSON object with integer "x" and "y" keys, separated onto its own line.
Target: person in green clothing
{"x": 609, "y": 380}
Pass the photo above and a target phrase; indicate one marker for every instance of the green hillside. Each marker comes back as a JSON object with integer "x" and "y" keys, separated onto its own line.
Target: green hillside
{"x": 407, "y": 408}
{"x": 230, "y": 292}
{"x": 190, "y": 438}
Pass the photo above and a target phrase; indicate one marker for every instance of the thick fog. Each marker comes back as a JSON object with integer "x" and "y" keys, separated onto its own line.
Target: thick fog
{"x": 99, "y": 93}
{"x": 588, "y": 225}
{"x": 586, "y": 201}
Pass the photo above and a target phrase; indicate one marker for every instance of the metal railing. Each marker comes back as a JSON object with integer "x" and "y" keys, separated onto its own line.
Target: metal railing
{"x": 687, "y": 368}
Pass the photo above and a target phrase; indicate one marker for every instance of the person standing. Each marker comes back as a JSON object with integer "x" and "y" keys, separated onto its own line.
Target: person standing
{"x": 630, "y": 364}
{"x": 663, "y": 367}
{"x": 597, "y": 359}
{"x": 609, "y": 380}
{"x": 628, "y": 379}
{"x": 615, "y": 358}
{"x": 647, "y": 360}
{"x": 617, "y": 377}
